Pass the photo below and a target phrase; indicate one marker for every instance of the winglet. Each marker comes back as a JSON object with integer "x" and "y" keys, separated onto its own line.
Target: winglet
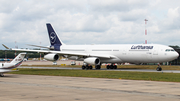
{"x": 5, "y": 46}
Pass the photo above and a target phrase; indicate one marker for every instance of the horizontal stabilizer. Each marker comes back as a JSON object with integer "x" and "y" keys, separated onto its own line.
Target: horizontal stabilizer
{"x": 40, "y": 46}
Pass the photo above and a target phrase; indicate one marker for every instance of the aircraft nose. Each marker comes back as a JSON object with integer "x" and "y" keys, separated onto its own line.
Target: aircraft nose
{"x": 176, "y": 55}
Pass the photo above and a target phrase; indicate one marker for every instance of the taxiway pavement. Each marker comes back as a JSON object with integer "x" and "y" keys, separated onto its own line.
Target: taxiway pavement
{"x": 57, "y": 88}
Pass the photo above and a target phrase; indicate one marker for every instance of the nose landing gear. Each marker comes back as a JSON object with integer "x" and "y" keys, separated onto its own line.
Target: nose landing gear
{"x": 1, "y": 74}
{"x": 159, "y": 68}
{"x": 86, "y": 67}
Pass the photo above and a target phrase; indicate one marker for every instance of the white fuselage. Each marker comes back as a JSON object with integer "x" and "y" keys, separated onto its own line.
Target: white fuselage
{"x": 132, "y": 53}
{"x": 7, "y": 65}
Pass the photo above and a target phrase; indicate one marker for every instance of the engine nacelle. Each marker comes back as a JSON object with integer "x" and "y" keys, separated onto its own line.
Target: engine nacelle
{"x": 51, "y": 57}
{"x": 92, "y": 61}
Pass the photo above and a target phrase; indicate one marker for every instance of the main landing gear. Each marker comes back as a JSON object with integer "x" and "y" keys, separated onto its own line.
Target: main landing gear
{"x": 1, "y": 74}
{"x": 86, "y": 67}
{"x": 98, "y": 67}
{"x": 90, "y": 67}
{"x": 112, "y": 66}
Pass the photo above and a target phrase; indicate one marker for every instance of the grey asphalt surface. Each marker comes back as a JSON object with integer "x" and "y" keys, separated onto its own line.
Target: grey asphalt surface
{"x": 135, "y": 70}
{"x": 56, "y": 88}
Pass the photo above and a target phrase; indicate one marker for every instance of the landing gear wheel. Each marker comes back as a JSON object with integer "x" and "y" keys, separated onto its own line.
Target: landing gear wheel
{"x": 83, "y": 67}
{"x": 90, "y": 67}
{"x": 98, "y": 67}
{"x": 158, "y": 68}
{"x": 2, "y": 75}
{"x": 111, "y": 67}
{"x": 115, "y": 66}
{"x": 87, "y": 67}
{"x": 108, "y": 67}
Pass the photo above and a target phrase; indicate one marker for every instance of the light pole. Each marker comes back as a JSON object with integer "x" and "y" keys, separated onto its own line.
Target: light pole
{"x": 40, "y": 53}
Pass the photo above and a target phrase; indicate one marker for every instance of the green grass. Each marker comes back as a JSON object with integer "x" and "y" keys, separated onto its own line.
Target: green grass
{"x": 168, "y": 77}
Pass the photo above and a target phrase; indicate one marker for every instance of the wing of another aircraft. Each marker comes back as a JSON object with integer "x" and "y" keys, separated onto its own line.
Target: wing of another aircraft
{"x": 6, "y": 70}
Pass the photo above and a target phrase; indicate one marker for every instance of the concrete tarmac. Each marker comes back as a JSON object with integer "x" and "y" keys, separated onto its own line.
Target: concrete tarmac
{"x": 57, "y": 88}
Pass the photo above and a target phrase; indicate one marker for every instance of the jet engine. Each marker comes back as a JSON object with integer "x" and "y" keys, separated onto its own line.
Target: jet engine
{"x": 92, "y": 61}
{"x": 51, "y": 57}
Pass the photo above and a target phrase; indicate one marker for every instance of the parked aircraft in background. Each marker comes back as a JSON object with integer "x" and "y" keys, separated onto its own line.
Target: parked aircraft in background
{"x": 5, "y": 59}
{"x": 7, "y": 67}
{"x": 98, "y": 54}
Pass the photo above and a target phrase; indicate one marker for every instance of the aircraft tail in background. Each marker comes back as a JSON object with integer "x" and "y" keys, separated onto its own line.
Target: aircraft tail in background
{"x": 19, "y": 58}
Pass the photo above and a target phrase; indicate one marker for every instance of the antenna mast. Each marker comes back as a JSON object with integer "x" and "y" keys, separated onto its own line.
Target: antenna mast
{"x": 145, "y": 30}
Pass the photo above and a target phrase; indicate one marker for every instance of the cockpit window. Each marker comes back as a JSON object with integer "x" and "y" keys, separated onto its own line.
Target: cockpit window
{"x": 167, "y": 50}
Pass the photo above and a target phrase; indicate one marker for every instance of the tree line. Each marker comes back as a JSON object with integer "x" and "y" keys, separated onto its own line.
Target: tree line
{"x": 11, "y": 54}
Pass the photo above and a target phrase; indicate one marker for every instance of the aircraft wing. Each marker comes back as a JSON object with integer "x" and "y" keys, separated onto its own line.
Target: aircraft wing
{"x": 5, "y": 70}
{"x": 83, "y": 54}
{"x": 64, "y": 53}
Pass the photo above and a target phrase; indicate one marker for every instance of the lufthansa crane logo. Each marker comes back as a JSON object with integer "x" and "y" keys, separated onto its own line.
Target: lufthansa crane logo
{"x": 53, "y": 37}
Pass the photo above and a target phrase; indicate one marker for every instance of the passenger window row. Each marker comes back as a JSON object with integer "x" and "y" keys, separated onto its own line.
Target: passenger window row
{"x": 167, "y": 50}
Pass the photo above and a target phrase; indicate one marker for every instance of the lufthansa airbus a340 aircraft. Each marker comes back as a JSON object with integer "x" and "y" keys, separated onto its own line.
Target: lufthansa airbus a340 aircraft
{"x": 98, "y": 54}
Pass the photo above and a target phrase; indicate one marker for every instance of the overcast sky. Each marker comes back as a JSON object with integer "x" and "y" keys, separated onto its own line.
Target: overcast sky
{"x": 89, "y": 21}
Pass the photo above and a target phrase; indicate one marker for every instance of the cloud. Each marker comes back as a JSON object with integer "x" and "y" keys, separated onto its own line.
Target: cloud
{"x": 89, "y": 22}
{"x": 172, "y": 21}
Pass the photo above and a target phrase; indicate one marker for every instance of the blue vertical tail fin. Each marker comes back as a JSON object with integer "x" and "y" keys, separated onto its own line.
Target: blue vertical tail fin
{"x": 53, "y": 37}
